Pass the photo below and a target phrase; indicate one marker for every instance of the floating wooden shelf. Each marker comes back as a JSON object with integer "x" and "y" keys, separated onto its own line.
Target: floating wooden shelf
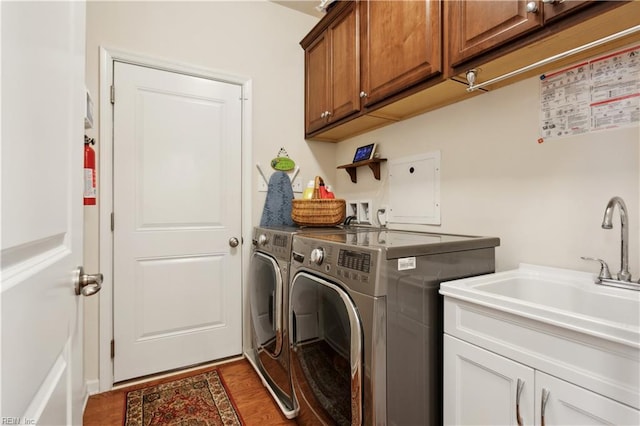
{"x": 374, "y": 165}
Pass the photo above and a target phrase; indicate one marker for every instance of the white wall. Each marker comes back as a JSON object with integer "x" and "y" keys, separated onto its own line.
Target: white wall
{"x": 256, "y": 39}
{"x": 545, "y": 201}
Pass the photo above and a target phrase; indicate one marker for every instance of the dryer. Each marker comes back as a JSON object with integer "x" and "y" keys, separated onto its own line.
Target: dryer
{"x": 365, "y": 320}
{"x": 268, "y": 293}
{"x": 268, "y": 288}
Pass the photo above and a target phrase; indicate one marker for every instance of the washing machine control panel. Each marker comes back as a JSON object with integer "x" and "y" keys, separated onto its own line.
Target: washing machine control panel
{"x": 317, "y": 256}
{"x": 354, "y": 267}
{"x": 355, "y": 260}
{"x": 277, "y": 244}
{"x": 262, "y": 240}
{"x": 280, "y": 240}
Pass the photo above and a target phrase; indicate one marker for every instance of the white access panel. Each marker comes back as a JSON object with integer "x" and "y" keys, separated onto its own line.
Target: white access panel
{"x": 414, "y": 189}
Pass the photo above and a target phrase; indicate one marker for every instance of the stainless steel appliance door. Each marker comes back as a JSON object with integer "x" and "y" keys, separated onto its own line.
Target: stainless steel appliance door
{"x": 265, "y": 296}
{"x": 326, "y": 358}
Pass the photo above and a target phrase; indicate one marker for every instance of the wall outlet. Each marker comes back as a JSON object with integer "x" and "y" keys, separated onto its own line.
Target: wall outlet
{"x": 262, "y": 185}
{"x": 364, "y": 212}
{"x": 296, "y": 185}
{"x": 382, "y": 214}
{"x": 352, "y": 208}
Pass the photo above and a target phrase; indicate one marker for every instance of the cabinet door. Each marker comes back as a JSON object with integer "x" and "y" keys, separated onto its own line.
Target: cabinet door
{"x": 481, "y": 388}
{"x": 345, "y": 69}
{"x": 475, "y": 27}
{"x": 400, "y": 42}
{"x": 332, "y": 72}
{"x": 317, "y": 83}
{"x": 568, "y": 404}
{"x": 560, "y": 8}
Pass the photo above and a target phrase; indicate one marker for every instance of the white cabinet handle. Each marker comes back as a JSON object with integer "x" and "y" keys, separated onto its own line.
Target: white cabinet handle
{"x": 518, "y": 394}
{"x": 363, "y": 94}
{"x": 543, "y": 404}
{"x": 532, "y": 7}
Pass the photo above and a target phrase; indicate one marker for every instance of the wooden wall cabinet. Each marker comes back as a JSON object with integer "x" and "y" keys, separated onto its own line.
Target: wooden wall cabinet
{"x": 400, "y": 46}
{"x": 559, "y": 8}
{"x": 332, "y": 70}
{"x": 365, "y": 51}
{"x": 475, "y": 27}
{"x": 370, "y": 63}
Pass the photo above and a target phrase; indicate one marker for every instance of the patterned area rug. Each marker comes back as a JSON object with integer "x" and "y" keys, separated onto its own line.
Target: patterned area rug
{"x": 197, "y": 400}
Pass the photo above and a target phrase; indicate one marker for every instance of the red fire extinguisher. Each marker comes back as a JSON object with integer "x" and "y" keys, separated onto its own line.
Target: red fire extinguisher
{"x": 89, "y": 172}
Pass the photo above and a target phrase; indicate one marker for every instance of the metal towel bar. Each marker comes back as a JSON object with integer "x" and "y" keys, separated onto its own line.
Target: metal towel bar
{"x": 472, "y": 74}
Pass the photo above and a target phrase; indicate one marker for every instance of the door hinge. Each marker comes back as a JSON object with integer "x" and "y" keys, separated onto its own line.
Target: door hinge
{"x": 113, "y": 349}
{"x": 113, "y": 94}
{"x": 112, "y": 222}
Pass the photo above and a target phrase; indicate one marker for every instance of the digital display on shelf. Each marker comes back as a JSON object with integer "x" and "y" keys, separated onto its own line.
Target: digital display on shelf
{"x": 364, "y": 153}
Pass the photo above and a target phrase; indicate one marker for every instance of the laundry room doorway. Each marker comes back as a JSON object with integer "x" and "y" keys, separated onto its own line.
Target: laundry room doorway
{"x": 177, "y": 220}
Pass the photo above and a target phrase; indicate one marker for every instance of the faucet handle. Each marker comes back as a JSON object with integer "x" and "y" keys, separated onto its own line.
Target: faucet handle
{"x": 604, "y": 268}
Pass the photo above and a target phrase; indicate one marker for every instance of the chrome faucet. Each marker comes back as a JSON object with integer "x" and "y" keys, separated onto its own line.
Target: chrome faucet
{"x": 624, "y": 274}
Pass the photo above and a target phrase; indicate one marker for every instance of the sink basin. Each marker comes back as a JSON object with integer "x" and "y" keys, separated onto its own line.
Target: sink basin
{"x": 566, "y": 298}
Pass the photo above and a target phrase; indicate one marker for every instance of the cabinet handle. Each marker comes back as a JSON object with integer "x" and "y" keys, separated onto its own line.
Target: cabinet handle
{"x": 323, "y": 115}
{"x": 363, "y": 94}
{"x": 518, "y": 394}
{"x": 327, "y": 114}
{"x": 543, "y": 404}
{"x": 532, "y": 7}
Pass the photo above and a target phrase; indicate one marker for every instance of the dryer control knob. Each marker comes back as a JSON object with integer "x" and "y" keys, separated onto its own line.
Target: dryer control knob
{"x": 317, "y": 256}
{"x": 262, "y": 240}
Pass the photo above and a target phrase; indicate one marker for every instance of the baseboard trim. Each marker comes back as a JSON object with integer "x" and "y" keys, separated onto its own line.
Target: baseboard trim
{"x": 92, "y": 387}
{"x": 152, "y": 377}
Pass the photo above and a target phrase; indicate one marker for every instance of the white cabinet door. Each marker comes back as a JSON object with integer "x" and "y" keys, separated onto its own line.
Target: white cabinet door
{"x": 481, "y": 388}
{"x": 568, "y": 404}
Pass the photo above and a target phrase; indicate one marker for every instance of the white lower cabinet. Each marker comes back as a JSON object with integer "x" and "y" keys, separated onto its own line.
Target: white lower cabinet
{"x": 568, "y": 404}
{"x": 481, "y": 388}
{"x": 485, "y": 388}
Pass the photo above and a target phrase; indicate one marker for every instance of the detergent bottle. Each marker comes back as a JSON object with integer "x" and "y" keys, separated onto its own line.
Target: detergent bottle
{"x": 307, "y": 194}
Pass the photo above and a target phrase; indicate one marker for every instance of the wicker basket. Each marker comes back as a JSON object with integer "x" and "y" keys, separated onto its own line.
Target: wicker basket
{"x": 318, "y": 211}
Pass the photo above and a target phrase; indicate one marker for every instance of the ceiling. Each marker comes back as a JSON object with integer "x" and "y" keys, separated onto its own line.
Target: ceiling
{"x": 304, "y": 6}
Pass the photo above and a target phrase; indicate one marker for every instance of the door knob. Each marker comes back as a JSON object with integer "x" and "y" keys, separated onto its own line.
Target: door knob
{"x": 87, "y": 284}
{"x": 233, "y": 242}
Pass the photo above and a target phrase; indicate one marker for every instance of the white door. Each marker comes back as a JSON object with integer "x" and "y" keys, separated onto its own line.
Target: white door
{"x": 43, "y": 95}
{"x": 177, "y": 278}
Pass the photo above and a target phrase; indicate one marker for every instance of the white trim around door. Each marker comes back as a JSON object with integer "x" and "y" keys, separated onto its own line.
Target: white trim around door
{"x": 107, "y": 58}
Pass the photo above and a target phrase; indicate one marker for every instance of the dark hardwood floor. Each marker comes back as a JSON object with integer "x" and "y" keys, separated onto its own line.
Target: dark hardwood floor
{"x": 245, "y": 388}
